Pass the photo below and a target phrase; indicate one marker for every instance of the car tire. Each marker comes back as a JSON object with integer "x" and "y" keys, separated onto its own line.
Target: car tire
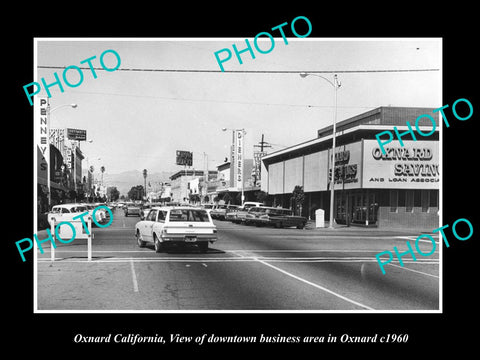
{"x": 279, "y": 225}
{"x": 140, "y": 242}
{"x": 158, "y": 245}
{"x": 203, "y": 246}
{"x": 300, "y": 226}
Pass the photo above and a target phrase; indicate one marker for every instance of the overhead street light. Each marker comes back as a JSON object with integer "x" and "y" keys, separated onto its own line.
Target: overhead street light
{"x": 336, "y": 85}
{"x": 65, "y": 105}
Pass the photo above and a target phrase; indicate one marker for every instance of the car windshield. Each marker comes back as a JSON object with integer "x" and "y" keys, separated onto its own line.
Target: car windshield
{"x": 189, "y": 215}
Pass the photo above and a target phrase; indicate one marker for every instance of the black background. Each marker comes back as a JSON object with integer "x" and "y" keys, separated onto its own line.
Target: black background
{"x": 52, "y": 334}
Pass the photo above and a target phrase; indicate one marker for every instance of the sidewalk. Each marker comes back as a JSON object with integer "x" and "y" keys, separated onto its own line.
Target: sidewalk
{"x": 361, "y": 228}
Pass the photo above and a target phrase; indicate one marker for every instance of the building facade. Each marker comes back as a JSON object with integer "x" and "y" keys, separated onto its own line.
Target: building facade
{"x": 226, "y": 184}
{"x": 396, "y": 189}
{"x": 180, "y": 183}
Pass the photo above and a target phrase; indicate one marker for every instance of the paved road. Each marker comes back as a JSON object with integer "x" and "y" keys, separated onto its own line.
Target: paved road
{"x": 249, "y": 268}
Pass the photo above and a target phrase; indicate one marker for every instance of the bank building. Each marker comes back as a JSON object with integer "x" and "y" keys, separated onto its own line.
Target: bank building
{"x": 395, "y": 189}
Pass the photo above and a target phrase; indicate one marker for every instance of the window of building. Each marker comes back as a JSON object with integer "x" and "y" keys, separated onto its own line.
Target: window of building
{"x": 425, "y": 195}
{"x": 434, "y": 194}
{"x": 409, "y": 200}
{"x": 393, "y": 200}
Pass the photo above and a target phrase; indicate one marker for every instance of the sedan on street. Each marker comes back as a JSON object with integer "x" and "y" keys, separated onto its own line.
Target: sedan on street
{"x": 132, "y": 209}
{"x": 280, "y": 218}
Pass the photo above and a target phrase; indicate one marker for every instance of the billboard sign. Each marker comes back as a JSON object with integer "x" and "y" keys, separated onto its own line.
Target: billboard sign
{"x": 77, "y": 134}
{"x": 348, "y": 166}
{"x": 184, "y": 158}
{"x": 412, "y": 166}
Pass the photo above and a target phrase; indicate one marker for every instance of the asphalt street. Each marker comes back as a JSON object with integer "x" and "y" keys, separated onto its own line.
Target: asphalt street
{"x": 249, "y": 268}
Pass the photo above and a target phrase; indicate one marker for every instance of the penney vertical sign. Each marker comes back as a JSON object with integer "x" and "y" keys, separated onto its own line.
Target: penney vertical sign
{"x": 41, "y": 135}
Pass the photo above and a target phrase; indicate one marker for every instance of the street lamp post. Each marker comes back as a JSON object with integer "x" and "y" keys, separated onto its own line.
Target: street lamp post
{"x": 243, "y": 157}
{"x": 336, "y": 84}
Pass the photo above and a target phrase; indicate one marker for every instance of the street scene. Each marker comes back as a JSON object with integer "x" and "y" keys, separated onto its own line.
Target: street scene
{"x": 257, "y": 186}
{"x": 248, "y": 268}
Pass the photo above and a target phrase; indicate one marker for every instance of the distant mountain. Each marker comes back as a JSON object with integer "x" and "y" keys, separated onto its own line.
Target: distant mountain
{"x": 125, "y": 180}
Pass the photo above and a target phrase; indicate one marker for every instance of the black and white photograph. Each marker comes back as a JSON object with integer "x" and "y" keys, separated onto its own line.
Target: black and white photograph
{"x": 207, "y": 185}
{"x": 275, "y": 183}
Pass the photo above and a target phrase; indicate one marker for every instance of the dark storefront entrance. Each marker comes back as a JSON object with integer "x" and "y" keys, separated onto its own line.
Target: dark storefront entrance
{"x": 356, "y": 207}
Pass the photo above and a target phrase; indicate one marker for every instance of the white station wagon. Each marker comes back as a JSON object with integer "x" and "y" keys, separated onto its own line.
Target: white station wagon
{"x": 176, "y": 225}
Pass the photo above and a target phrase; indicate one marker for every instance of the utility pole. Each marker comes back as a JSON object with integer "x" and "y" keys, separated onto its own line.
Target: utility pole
{"x": 263, "y": 144}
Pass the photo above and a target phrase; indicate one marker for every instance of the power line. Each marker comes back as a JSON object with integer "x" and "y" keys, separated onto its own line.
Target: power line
{"x": 219, "y": 101}
{"x": 253, "y": 71}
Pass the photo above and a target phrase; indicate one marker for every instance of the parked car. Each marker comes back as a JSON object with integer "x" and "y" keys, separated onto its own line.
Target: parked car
{"x": 231, "y": 214}
{"x": 220, "y": 211}
{"x": 176, "y": 225}
{"x": 132, "y": 209}
{"x": 248, "y": 204}
{"x": 280, "y": 217}
{"x": 65, "y": 212}
{"x": 253, "y": 215}
{"x": 238, "y": 215}
{"x": 100, "y": 214}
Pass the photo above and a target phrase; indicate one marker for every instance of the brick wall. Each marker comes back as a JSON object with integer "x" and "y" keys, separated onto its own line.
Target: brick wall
{"x": 426, "y": 221}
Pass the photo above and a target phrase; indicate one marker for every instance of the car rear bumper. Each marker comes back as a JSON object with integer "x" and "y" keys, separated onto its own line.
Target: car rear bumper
{"x": 188, "y": 238}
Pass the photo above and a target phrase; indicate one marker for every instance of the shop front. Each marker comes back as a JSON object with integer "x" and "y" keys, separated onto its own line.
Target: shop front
{"x": 396, "y": 189}
{"x": 356, "y": 207}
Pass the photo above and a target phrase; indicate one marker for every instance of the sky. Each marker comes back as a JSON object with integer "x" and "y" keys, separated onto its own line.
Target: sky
{"x": 138, "y": 119}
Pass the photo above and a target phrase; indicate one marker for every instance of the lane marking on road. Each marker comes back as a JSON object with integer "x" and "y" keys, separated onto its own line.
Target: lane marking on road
{"x": 134, "y": 276}
{"x": 414, "y": 238}
{"x": 315, "y": 285}
{"x": 235, "y": 256}
{"x": 225, "y": 260}
{"x": 306, "y": 251}
{"x": 326, "y": 237}
{"x": 416, "y": 271}
{"x": 242, "y": 253}
{"x": 238, "y": 255}
{"x": 147, "y": 251}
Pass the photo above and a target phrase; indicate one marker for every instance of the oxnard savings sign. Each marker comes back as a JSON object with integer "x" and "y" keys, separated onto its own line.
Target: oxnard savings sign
{"x": 412, "y": 166}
